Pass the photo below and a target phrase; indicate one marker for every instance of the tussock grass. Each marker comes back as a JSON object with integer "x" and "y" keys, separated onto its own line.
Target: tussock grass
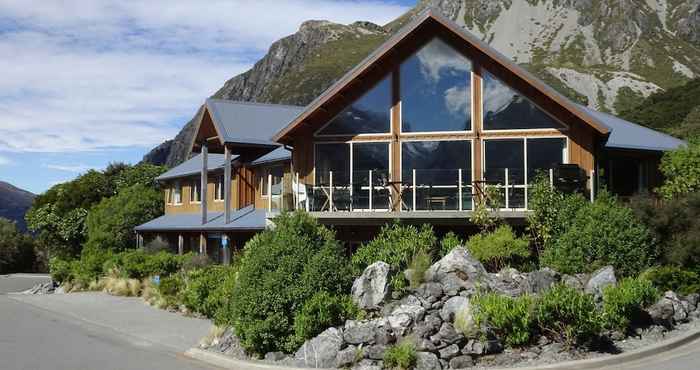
{"x": 215, "y": 333}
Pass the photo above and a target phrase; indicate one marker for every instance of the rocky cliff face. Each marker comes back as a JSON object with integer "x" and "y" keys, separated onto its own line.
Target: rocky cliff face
{"x": 609, "y": 54}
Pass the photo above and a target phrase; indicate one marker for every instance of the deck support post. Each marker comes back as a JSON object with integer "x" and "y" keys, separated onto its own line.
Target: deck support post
{"x": 203, "y": 188}
{"x": 180, "y": 244}
{"x": 227, "y": 184}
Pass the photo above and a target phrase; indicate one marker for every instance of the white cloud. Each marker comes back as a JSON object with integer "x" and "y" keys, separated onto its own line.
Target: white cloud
{"x": 89, "y": 75}
{"x": 79, "y": 168}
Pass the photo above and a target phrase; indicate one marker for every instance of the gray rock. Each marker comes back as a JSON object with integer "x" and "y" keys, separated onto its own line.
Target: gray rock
{"x": 399, "y": 323}
{"x": 368, "y": 365}
{"x": 427, "y": 361}
{"x": 320, "y": 352}
{"x": 693, "y": 300}
{"x": 461, "y": 362}
{"x": 431, "y": 292}
{"x": 479, "y": 348}
{"x": 429, "y": 326}
{"x": 662, "y": 312}
{"x": 572, "y": 282}
{"x": 358, "y": 332}
{"x": 599, "y": 280}
{"x": 447, "y": 334}
{"x": 375, "y": 352}
{"x": 449, "y": 352}
{"x": 452, "y": 306}
{"x": 347, "y": 356}
{"x": 680, "y": 307}
{"x": 541, "y": 280}
{"x": 425, "y": 345}
{"x": 383, "y": 334}
{"x": 458, "y": 270}
{"x": 372, "y": 287}
{"x": 274, "y": 356}
{"x": 508, "y": 282}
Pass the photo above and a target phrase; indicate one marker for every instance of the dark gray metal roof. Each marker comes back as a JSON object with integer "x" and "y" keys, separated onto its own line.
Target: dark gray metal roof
{"x": 279, "y": 154}
{"x": 244, "y": 219}
{"x": 250, "y": 123}
{"x": 628, "y": 135}
{"x": 193, "y": 166}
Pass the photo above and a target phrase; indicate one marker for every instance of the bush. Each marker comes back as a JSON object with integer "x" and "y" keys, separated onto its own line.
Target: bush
{"x": 499, "y": 248}
{"x": 568, "y": 315}
{"x": 420, "y": 263}
{"x": 16, "y": 249}
{"x": 449, "y": 242}
{"x": 623, "y": 303}
{"x": 599, "y": 234}
{"x": 281, "y": 269}
{"x": 681, "y": 169}
{"x": 401, "y": 356}
{"x": 89, "y": 267}
{"x": 675, "y": 225}
{"x": 60, "y": 270}
{"x": 322, "y": 311}
{"x": 110, "y": 224}
{"x": 551, "y": 212}
{"x": 510, "y": 318}
{"x": 666, "y": 278}
{"x": 137, "y": 264}
{"x": 200, "y": 286}
{"x": 396, "y": 245}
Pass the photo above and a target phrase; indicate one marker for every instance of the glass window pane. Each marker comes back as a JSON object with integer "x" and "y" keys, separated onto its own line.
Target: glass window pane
{"x": 543, "y": 154}
{"x": 332, "y": 157}
{"x": 436, "y": 164}
{"x": 502, "y": 154}
{"x": 366, "y": 157}
{"x": 507, "y": 109}
{"x": 367, "y": 115}
{"x": 436, "y": 90}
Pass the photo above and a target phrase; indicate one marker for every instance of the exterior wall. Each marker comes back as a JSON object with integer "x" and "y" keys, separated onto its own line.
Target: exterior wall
{"x": 188, "y": 206}
{"x": 262, "y": 201}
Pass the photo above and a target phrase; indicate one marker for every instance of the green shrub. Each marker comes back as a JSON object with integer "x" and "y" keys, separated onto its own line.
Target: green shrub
{"x": 675, "y": 225}
{"x": 420, "y": 263}
{"x": 200, "y": 287}
{"x": 623, "y": 303}
{"x": 137, "y": 264}
{"x": 499, "y": 248}
{"x": 601, "y": 233}
{"x": 551, "y": 212}
{"x": 281, "y": 269}
{"x": 396, "y": 245}
{"x": 60, "y": 270}
{"x": 401, "y": 356}
{"x": 321, "y": 312}
{"x": 568, "y": 315}
{"x": 666, "y": 278}
{"x": 89, "y": 267}
{"x": 510, "y": 318}
{"x": 681, "y": 169}
{"x": 449, "y": 242}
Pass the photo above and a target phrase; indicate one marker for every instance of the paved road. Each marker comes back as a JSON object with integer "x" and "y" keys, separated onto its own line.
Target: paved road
{"x": 37, "y": 338}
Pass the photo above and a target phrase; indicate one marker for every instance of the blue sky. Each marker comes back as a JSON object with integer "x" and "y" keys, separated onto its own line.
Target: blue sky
{"x": 86, "y": 83}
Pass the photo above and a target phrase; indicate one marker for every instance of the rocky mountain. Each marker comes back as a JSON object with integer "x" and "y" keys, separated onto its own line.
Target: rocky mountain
{"x": 609, "y": 54}
{"x": 14, "y": 203}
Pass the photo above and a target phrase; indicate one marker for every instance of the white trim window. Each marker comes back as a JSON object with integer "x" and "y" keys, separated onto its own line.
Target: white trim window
{"x": 219, "y": 189}
{"x": 196, "y": 191}
{"x": 176, "y": 192}
{"x": 277, "y": 173}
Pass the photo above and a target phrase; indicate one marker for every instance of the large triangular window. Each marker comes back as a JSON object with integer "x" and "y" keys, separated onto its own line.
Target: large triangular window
{"x": 436, "y": 90}
{"x": 507, "y": 109}
{"x": 370, "y": 114}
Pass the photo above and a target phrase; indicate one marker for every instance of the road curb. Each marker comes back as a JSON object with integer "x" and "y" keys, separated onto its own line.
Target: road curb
{"x": 227, "y": 362}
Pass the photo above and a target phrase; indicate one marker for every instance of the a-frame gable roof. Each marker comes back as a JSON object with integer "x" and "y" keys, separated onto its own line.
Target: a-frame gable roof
{"x": 486, "y": 55}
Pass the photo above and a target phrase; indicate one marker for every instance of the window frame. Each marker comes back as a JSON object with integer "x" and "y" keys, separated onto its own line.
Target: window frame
{"x": 266, "y": 171}
{"x": 196, "y": 183}
{"x": 177, "y": 190}
{"x": 526, "y": 183}
{"x": 219, "y": 189}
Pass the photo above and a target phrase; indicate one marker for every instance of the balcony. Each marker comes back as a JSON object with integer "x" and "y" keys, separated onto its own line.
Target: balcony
{"x": 428, "y": 194}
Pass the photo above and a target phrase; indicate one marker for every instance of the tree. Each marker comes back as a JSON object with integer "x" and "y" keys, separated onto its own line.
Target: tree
{"x": 16, "y": 249}
{"x": 144, "y": 174}
{"x": 110, "y": 224}
{"x": 681, "y": 168}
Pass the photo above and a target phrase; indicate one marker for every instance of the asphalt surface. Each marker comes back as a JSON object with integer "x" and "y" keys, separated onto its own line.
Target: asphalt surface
{"x": 37, "y": 338}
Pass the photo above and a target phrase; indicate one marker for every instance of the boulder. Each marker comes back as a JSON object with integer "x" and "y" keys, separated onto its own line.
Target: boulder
{"x": 359, "y": 332}
{"x": 427, "y": 361}
{"x": 431, "y": 292}
{"x": 457, "y": 271}
{"x": 346, "y": 357}
{"x": 449, "y": 352}
{"x": 461, "y": 362}
{"x": 428, "y": 326}
{"x": 693, "y": 300}
{"x": 572, "y": 281}
{"x": 368, "y": 365}
{"x": 508, "y": 282}
{"x": 541, "y": 280}
{"x": 452, "y": 307}
{"x": 321, "y": 351}
{"x": 486, "y": 347}
{"x": 375, "y": 352}
{"x": 663, "y": 311}
{"x": 372, "y": 287}
{"x": 600, "y": 279}
{"x": 447, "y": 334}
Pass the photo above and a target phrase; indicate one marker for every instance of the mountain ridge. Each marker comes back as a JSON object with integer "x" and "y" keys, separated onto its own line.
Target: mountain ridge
{"x": 608, "y": 54}
{"x": 14, "y": 203}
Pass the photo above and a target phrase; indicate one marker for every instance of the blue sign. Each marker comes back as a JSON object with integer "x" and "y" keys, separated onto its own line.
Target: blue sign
{"x": 156, "y": 280}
